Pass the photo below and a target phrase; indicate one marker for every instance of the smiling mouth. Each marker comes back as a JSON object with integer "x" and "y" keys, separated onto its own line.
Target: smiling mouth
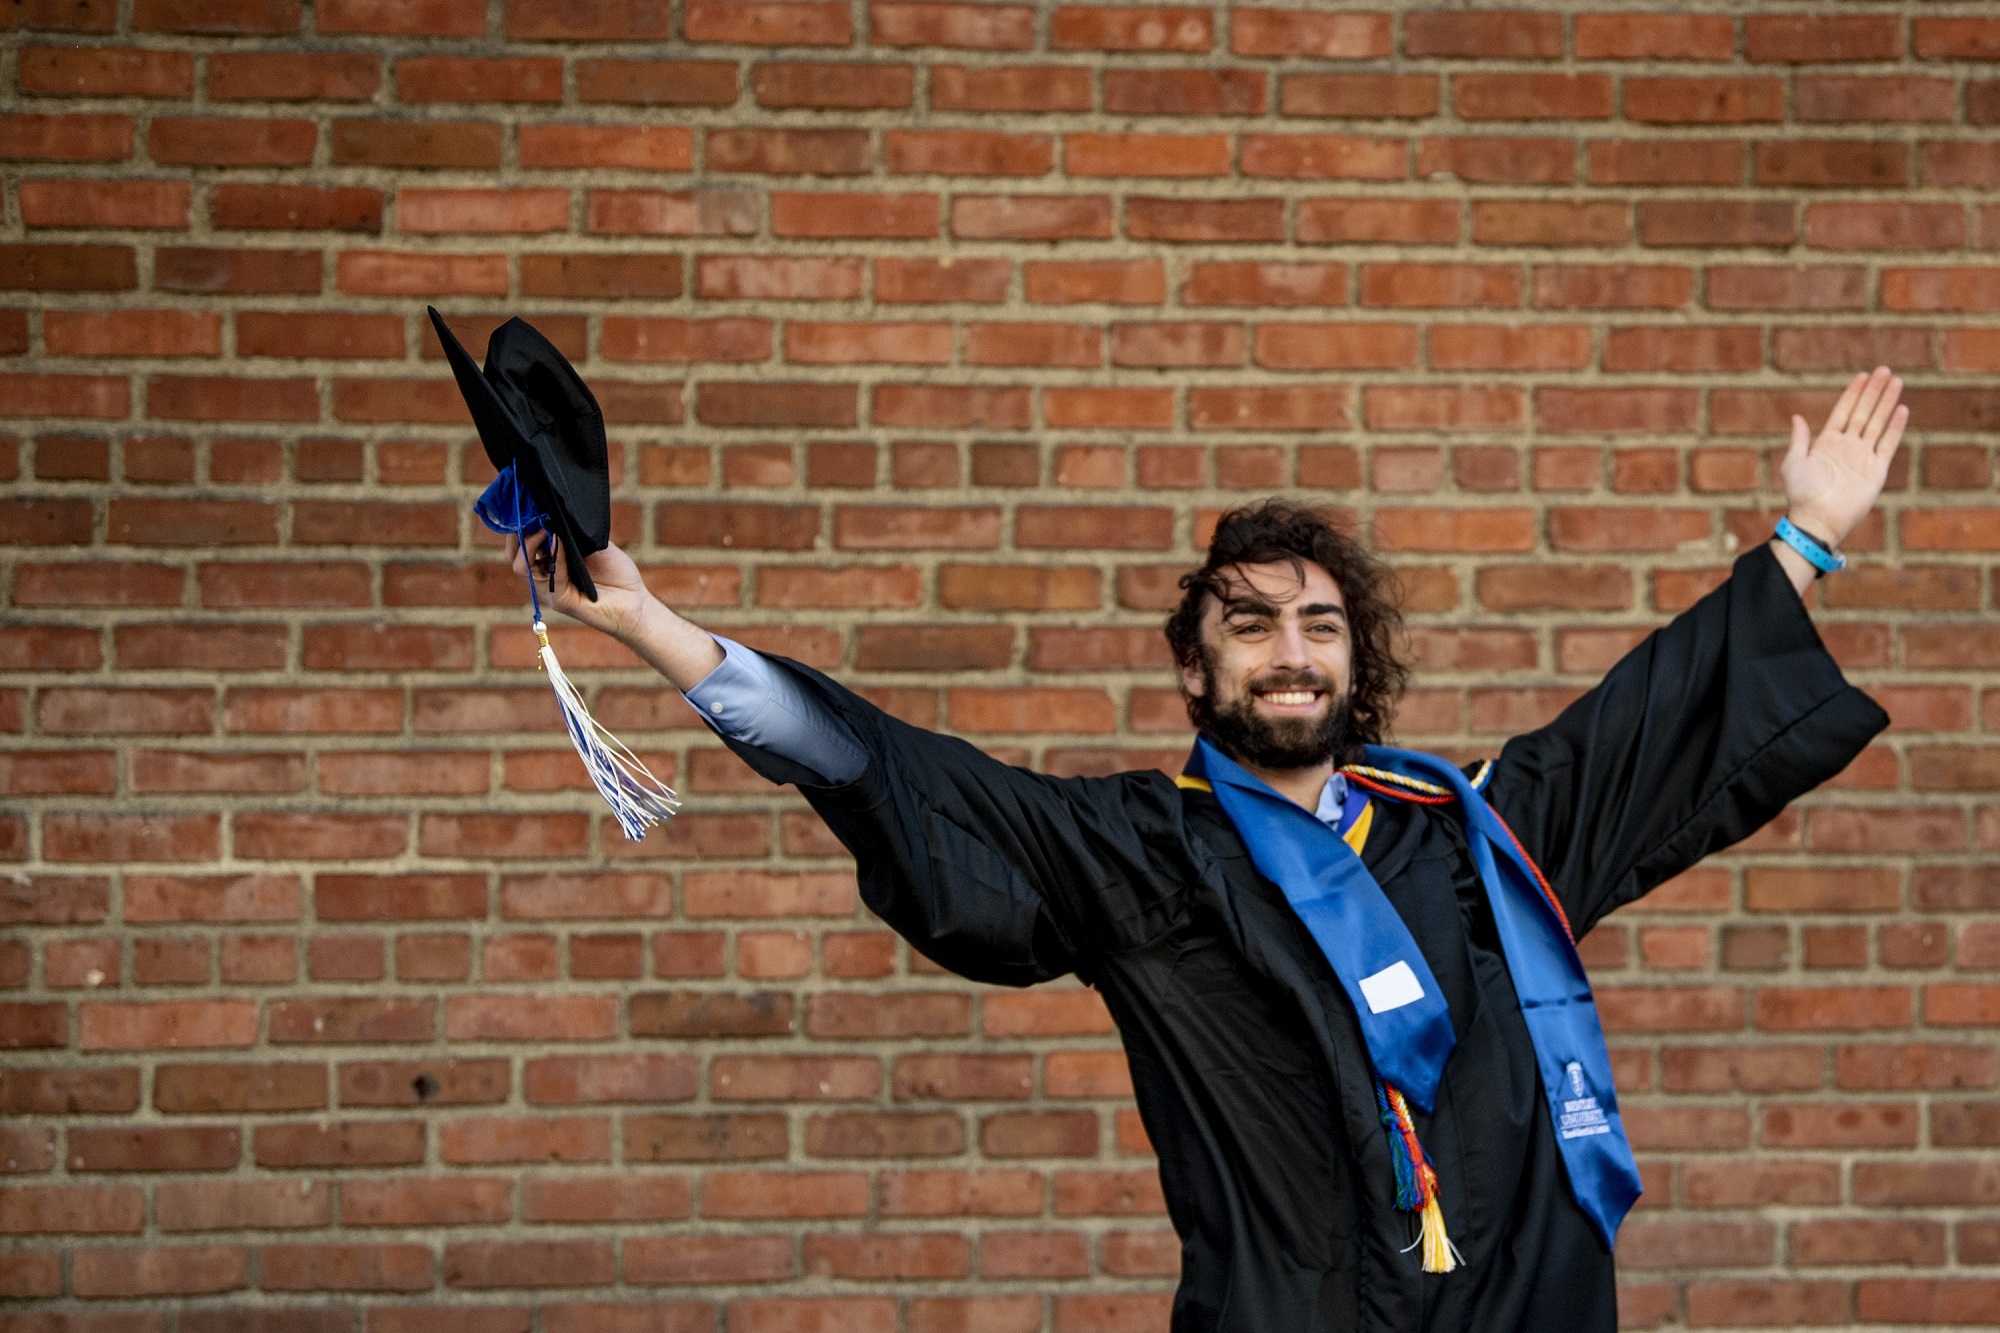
{"x": 1289, "y": 698}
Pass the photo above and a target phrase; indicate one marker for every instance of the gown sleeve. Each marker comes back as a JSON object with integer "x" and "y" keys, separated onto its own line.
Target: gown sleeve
{"x": 994, "y": 872}
{"x": 1694, "y": 740}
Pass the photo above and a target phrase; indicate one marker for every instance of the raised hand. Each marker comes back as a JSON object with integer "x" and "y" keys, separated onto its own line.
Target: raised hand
{"x": 621, "y": 593}
{"x": 1831, "y": 482}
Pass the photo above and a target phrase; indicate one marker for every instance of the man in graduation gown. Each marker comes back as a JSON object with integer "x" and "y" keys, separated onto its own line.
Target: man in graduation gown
{"x": 1259, "y": 1065}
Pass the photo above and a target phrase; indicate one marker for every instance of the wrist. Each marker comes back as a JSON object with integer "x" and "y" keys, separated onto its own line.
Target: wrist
{"x": 644, "y": 623}
{"x": 1815, "y": 550}
{"x": 1817, "y": 526}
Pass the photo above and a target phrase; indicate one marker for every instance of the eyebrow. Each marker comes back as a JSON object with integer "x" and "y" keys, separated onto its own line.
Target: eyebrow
{"x": 1251, "y": 606}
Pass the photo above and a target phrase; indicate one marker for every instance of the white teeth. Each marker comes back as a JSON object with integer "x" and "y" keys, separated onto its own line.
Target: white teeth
{"x": 1290, "y": 696}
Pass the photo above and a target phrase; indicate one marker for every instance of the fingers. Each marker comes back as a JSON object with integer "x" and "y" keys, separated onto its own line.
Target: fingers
{"x": 1893, "y": 436}
{"x": 1801, "y": 439}
{"x": 1837, "y": 419}
{"x": 1864, "y": 406}
{"x": 1878, "y": 420}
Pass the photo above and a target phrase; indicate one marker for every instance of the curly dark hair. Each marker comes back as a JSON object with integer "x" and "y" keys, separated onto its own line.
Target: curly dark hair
{"x": 1285, "y": 530}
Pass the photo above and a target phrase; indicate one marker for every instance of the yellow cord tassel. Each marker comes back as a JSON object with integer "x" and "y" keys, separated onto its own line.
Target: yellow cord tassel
{"x": 1439, "y": 1254}
{"x": 1416, "y": 1184}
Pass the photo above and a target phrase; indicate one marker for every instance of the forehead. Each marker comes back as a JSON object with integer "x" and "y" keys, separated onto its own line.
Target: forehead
{"x": 1279, "y": 583}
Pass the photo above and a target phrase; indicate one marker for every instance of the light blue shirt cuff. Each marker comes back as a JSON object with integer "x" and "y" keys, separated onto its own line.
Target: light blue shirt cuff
{"x": 750, "y": 701}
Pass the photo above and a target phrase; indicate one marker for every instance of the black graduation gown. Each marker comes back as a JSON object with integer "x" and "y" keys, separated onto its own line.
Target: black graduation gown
{"x": 1248, "y": 1064}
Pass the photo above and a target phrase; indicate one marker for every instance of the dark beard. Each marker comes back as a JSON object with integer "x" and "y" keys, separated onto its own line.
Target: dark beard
{"x": 1278, "y": 745}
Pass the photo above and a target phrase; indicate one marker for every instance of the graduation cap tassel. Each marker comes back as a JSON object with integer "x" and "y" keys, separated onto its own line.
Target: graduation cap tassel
{"x": 637, "y": 798}
{"x": 544, "y": 434}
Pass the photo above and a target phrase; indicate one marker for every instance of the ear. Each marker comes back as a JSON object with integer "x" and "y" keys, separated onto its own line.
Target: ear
{"x": 1191, "y": 681}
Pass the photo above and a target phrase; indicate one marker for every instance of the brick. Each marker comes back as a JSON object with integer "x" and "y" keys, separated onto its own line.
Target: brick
{"x": 887, "y": 1258}
{"x": 1956, "y": 39}
{"x": 1187, "y": 92}
{"x": 1359, "y": 96}
{"x": 597, "y": 277}
{"x": 1205, "y": 221}
{"x": 901, "y": 281}
{"x": 112, "y": 204}
{"x": 1528, "y": 222}
{"x": 1685, "y": 351}
{"x": 1253, "y": 283}
{"x": 1664, "y": 161}
{"x": 657, "y": 82}
{"x": 1863, "y": 226}
{"x": 65, "y": 138}
{"x": 419, "y": 1202}
{"x": 183, "y": 1147}
{"x": 105, "y": 71}
{"x": 484, "y": 1265}
{"x": 1612, "y": 286}
{"x": 677, "y": 1260}
{"x": 540, "y": 20}
{"x": 790, "y": 152}
{"x": 288, "y": 76}
{"x": 346, "y": 1267}
{"x": 608, "y": 1198}
{"x": 829, "y": 215}
{"x": 1303, "y": 32}
{"x": 296, "y": 208}
{"x": 977, "y": 27}
{"x": 1821, "y": 39}
{"x": 1121, "y": 282}
{"x": 39, "y": 395}
{"x": 1531, "y": 96}
{"x": 208, "y": 269}
{"x": 1501, "y": 347}
{"x": 1715, "y": 222}
{"x": 1792, "y": 1304}
{"x": 1831, "y": 162}
{"x": 517, "y": 212}
{"x": 429, "y": 143}
{"x": 1677, "y": 100}
{"x": 848, "y": 85}
{"x": 1654, "y": 37}
{"x": 1439, "y": 285}
{"x": 798, "y": 23}
{"x": 1088, "y": 154}
{"x": 1324, "y": 157}
{"x": 1847, "y": 99}
{"x": 638, "y": 148}
{"x": 231, "y": 141}
{"x": 671, "y": 213}
{"x": 967, "y": 153}
{"x": 1029, "y": 88}
{"x": 478, "y": 79}
{"x": 1131, "y": 28}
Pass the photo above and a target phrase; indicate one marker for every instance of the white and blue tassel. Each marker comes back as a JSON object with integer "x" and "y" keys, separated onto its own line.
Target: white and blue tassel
{"x": 637, "y": 798}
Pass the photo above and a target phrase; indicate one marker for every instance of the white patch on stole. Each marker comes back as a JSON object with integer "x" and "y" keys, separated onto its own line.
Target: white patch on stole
{"x": 1391, "y": 988}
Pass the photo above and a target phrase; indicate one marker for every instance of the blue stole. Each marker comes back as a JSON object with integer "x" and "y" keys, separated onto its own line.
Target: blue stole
{"x": 1401, "y": 1011}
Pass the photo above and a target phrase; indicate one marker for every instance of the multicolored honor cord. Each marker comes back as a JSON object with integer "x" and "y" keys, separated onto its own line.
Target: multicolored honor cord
{"x": 636, "y": 797}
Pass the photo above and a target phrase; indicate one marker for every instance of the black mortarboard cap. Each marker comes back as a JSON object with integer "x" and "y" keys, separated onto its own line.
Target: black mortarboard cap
{"x": 533, "y": 410}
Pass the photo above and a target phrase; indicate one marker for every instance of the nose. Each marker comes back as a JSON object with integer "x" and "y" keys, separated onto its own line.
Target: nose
{"x": 1288, "y": 647}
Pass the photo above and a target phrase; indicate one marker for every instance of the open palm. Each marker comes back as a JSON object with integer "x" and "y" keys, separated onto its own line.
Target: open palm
{"x": 1831, "y": 482}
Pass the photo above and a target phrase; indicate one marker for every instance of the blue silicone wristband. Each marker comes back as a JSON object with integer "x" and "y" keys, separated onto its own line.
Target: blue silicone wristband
{"x": 1819, "y": 557}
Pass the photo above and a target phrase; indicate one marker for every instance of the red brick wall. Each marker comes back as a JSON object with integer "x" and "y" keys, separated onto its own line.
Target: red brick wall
{"x": 932, "y": 335}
